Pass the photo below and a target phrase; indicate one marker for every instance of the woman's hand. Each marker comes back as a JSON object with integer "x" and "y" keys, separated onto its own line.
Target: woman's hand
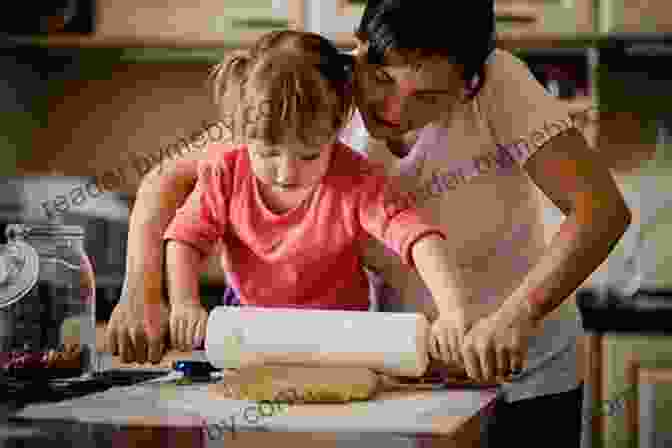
{"x": 187, "y": 325}
{"x": 496, "y": 345}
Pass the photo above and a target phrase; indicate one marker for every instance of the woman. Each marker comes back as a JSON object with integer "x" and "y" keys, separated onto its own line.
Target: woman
{"x": 475, "y": 139}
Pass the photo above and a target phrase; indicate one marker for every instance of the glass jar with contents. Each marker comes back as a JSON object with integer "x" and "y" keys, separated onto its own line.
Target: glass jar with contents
{"x": 47, "y": 303}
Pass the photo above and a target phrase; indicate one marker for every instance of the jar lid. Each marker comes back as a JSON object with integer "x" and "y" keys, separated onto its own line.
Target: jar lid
{"x": 19, "y": 270}
{"x": 43, "y": 230}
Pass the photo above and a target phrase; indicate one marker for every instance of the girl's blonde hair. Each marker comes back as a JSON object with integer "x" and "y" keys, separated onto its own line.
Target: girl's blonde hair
{"x": 289, "y": 84}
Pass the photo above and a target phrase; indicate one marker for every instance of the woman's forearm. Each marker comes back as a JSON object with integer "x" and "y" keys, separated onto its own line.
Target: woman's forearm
{"x": 579, "y": 247}
{"x": 183, "y": 264}
{"x": 161, "y": 193}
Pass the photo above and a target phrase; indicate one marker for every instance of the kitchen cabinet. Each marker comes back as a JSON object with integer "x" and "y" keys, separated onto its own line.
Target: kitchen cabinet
{"x": 514, "y": 17}
{"x": 550, "y": 16}
{"x": 173, "y": 23}
{"x": 635, "y": 16}
{"x": 622, "y": 367}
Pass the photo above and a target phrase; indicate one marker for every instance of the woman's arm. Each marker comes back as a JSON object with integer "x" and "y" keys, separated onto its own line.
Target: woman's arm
{"x": 579, "y": 183}
{"x": 162, "y": 191}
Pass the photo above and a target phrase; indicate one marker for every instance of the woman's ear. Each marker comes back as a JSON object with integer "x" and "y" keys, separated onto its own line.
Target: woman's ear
{"x": 360, "y": 48}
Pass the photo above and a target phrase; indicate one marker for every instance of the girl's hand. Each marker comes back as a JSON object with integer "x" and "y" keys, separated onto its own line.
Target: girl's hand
{"x": 187, "y": 325}
{"x": 496, "y": 346}
{"x": 448, "y": 332}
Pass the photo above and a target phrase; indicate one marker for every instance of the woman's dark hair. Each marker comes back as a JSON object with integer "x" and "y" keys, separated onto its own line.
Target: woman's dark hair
{"x": 465, "y": 33}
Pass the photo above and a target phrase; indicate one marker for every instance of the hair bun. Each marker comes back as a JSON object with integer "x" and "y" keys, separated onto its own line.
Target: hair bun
{"x": 348, "y": 62}
{"x": 339, "y": 68}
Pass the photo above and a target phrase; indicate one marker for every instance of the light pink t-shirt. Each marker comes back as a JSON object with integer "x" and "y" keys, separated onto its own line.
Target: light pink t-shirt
{"x": 467, "y": 174}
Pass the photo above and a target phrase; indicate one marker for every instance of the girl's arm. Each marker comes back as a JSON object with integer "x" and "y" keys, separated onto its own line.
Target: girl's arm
{"x": 187, "y": 316}
{"x": 457, "y": 314}
{"x": 433, "y": 262}
{"x": 183, "y": 265}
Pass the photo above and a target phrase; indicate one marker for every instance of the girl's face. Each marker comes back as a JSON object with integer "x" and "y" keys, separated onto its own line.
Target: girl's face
{"x": 291, "y": 167}
{"x": 406, "y": 93}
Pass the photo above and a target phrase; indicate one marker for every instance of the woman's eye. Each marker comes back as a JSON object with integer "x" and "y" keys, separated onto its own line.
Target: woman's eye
{"x": 382, "y": 76}
{"x": 266, "y": 155}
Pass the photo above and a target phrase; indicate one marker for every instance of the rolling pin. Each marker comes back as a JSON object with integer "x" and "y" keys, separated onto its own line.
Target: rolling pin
{"x": 391, "y": 343}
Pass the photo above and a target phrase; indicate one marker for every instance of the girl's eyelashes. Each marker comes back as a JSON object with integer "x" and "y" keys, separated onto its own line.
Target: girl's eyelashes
{"x": 311, "y": 157}
{"x": 269, "y": 154}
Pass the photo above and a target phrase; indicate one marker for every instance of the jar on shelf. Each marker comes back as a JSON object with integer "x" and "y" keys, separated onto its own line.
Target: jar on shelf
{"x": 47, "y": 302}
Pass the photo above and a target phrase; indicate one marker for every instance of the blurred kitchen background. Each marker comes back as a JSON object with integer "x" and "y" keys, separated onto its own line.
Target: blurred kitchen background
{"x": 107, "y": 81}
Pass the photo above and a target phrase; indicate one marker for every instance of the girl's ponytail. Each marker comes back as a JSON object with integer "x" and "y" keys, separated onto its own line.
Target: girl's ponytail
{"x": 229, "y": 76}
{"x": 289, "y": 82}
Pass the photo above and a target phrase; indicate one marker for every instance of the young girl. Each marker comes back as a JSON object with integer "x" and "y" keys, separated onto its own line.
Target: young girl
{"x": 291, "y": 205}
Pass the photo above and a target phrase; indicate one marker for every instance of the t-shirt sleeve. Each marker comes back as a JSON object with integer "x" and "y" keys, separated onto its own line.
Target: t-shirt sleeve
{"x": 390, "y": 216}
{"x": 202, "y": 219}
{"x": 521, "y": 114}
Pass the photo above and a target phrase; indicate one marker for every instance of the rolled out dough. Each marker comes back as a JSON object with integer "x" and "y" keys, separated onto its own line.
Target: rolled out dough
{"x": 299, "y": 384}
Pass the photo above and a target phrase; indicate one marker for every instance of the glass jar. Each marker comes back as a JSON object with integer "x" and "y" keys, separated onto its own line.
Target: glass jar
{"x": 47, "y": 302}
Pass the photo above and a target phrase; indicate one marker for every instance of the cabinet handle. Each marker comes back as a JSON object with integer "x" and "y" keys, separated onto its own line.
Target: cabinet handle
{"x": 649, "y": 50}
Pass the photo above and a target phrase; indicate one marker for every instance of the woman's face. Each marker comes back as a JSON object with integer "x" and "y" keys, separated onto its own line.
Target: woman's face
{"x": 406, "y": 93}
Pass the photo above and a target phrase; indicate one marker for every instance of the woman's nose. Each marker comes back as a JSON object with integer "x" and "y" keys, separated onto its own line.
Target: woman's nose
{"x": 392, "y": 108}
{"x": 396, "y": 101}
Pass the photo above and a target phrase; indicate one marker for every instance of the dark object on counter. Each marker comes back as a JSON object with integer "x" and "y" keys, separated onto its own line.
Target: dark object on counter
{"x": 195, "y": 370}
{"x": 608, "y": 311}
{"x": 22, "y": 391}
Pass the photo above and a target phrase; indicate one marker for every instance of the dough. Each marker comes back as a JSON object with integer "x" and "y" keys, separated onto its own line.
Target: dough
{"x": 299, "y": 384}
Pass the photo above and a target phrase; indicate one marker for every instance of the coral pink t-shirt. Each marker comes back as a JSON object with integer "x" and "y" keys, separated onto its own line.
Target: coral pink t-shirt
{"x": 309, "y": 256}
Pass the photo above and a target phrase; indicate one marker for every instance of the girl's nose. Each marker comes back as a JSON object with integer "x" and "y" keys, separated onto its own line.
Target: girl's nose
{"x": 287, "y": 170}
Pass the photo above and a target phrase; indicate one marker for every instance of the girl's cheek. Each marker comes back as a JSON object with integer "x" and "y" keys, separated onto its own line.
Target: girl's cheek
{"x": 264, "y": 171}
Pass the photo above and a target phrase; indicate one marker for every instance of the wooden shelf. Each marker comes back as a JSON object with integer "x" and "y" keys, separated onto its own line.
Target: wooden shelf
{"x": 518, "y": 12}
{"x": 245, "y": 38}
